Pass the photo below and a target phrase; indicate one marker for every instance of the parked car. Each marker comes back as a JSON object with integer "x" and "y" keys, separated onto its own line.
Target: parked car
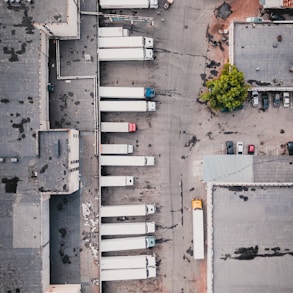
{"x": 254, "y": 19}
{"x": 277, "y": 100}
{"x": 251, "y": 149}
{"x": 229, "y": 148}
{"x": 168, "y": 3}
{"x": 265, "y": 100}
{"x": 277, "y": 17}
{"x": 290, "y": 148}
{"x": 239, "y": 148}
{"x": 255, "y": 101}
{"x": 286, "y": 99}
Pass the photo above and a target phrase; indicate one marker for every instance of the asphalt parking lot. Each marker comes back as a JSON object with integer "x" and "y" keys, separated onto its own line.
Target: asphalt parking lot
{"x": 178, "y": 134}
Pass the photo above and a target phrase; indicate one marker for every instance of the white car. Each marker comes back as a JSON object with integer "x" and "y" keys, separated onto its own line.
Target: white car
{"x": 286, "y": 99}
{"x": 254, "y": 19}
{"x": 255, "y": 102}
{"x": 239, "y": 148}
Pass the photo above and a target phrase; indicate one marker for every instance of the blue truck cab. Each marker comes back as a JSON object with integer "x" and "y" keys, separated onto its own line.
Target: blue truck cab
{"x": 149, "y": 93}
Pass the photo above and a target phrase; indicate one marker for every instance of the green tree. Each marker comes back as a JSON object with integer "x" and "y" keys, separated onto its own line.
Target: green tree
{"x": 229, "y": 91}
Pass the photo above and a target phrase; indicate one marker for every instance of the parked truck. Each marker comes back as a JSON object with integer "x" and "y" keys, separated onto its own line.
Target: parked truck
{"x": 126, "y": 42}
{"x": 127, "y": 106}
{"x": 115, "y": 181}
{"x": 111, "y": 92}
{"x": 127, "y": 262}
{"x": 139, "y": 228}
{"x": 130, "y": 243}
{"x": 110, "y": 32}
{"x": 125, "y": 54}
{"x": 118, "y": 127}
{"x": 127, "y": 210}
{"x": 116, "y": 149}
{"x": 128, "y": 4}
{"x": 127, "y": 161}
{"x": 198, "y": 229}
{"x": 128, "y": 274}
{"x": 168, "y": 3}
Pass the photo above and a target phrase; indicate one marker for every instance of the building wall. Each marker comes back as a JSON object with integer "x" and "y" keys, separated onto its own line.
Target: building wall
{"x": 45, "y": 241}
{"x": 68, "y": 288}
{"x": 73, "y": 159}
{"x": 44, "y": 80}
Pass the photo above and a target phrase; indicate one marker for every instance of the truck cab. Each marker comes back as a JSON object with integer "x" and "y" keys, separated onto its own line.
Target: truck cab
{"x": 150, "y": 241}
{"x": 197, "y": 204}
{"x": 168, "y": 3}
{"x": 131, "y": 127}
{"x": 148, "y": 42}
{"x": 149, "y": 93}
{"x": 148, "y": 54}
{"x": 154, "y": 4}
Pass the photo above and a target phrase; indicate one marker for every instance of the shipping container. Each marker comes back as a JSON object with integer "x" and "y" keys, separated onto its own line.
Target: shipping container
{"x": 129, "y": 54}
{"x": 112, "y": 181}
{"x": 110, "y": 92}
{"x": 118, "y": 127}
{"x": 126, "y": 42}
{"x": 126, "y": 160}
{"x": 128, "y": 274}
{"x": 127, "y": 106}
{"x": 127, "y": 210}
{"x": 127, "y": 262}
{"x": 129, "y": 243}
{"x": 198, "y": 229}
{"x": 116, "y": 149}
{"x": 139, "y": 228}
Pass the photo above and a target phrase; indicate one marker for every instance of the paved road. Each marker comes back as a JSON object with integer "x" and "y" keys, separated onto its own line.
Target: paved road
{"x": 178, "y": 135}
{"x": 171, "y": 136}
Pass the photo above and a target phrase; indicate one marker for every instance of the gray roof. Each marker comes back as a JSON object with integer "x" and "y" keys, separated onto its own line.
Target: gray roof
{"x": 273, "y": 169}
{"x": 252, "y": 239}
{"x": 248, "y": 169}
{"x": 53, "y": 165}
{"x": 20, "y": 221}
{"x": 228, "y": 168}
{"x": 53, "y": 11}
{"x": 257, "y": 52}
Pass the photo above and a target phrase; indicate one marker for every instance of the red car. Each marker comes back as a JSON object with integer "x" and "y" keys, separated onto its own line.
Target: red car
{"x": 251, "y": 149}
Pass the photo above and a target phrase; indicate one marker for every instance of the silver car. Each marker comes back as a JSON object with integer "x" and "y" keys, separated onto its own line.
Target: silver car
{"x": 255, "y": 101}
{"x": 286, "y": 99}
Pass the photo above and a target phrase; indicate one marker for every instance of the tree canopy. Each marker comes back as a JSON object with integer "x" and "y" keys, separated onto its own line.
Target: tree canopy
{"x": 229, "y": 91}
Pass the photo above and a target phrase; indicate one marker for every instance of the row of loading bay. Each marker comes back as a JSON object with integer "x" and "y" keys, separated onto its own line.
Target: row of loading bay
{"x": 125, "y": 229}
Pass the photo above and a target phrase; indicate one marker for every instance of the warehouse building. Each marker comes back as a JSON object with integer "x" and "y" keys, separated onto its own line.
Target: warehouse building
{"x": 36, "y": 161}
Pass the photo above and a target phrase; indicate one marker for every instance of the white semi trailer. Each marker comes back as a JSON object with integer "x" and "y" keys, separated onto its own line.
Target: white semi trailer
{"x": 106, "y": 160}
{"x": 127, "y": 106}
{"x": 139, "y": 228}
{"x": 128, "y": 274}
{"x": 115, "y": 181}
{"x": 127, "y": 210}
{"x": 198, "y": 232}
{"x": 127, "y": 262}
{"x": 110, "y": 32}
{"x": 126, "y": 42}
{"x": 125, "y": 54}
{"x": 118, "y": 127}
{"x": 116, "y": 149}
{"x": 129, "y": 243}
{"x": 111, "y": 92}
{"x": 128, "y": 4}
